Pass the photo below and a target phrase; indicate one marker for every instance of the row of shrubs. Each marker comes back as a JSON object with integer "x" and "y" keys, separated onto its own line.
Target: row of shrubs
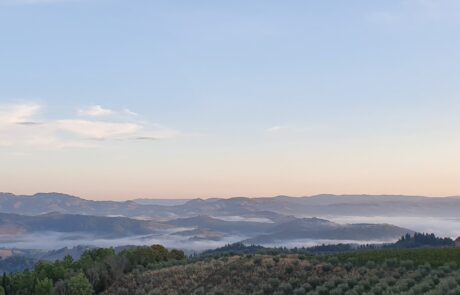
{"x": 298, "y": 274}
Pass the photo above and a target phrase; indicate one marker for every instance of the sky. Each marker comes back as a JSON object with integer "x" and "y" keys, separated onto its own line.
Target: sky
{"x": 116, "y": 99}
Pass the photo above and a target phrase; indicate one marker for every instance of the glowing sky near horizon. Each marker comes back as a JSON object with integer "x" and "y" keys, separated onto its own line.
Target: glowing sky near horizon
{"x": 115, "y": 99}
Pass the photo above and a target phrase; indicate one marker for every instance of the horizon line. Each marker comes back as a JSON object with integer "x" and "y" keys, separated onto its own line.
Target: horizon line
{"x": 133, "y": 199}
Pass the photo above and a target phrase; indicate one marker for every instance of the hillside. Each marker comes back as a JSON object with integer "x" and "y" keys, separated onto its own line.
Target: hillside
{"x": 381, "y": 272}
{"x": 239, "y": 269}
{"x": 14, "y": 224}
{"x": 315, "y": 228}
{"x": 42, "y": 203}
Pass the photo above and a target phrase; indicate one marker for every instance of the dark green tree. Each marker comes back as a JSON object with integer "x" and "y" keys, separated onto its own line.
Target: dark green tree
{"x": 44, "y": 287}
{"x": 79, "y": 285}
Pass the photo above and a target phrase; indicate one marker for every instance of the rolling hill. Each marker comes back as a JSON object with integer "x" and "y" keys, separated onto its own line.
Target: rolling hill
{"x": 14, "y": 224}
{"x": 320, "y": 205}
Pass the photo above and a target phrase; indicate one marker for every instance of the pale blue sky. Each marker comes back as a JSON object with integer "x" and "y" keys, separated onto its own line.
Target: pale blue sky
{"x": 243, "y": 97}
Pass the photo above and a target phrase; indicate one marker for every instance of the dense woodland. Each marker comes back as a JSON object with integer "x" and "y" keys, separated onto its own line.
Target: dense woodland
{"x": 433, "y": 268}
{"x": 416, "y": 240}
{"x": 94, "y": 272}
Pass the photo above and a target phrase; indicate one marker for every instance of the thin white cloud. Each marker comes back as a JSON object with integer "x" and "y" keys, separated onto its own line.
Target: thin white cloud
{"x": 95, "y": 111}
{"x": 19, "y": 127}
{"x": 156, "y": 132}
{"x": 130, "y": 113}
{"x": 98, "y": 129}
{"x": 276, "y": 128}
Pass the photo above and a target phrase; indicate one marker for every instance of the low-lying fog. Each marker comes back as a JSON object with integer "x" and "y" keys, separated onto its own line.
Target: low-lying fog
{"x": 444, "y": 227}
{"x": 56, "y": 240}
{"x": 241, "y": 218}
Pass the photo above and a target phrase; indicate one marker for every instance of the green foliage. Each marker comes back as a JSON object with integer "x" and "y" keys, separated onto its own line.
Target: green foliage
{"x": 433, "y": 256}
{"x": 156, "y": 270}
{"x": 54, "y": 271}
{"x": 44, "y": 287}
{"x": 297, "y": 274}
{"x": 145, "y": 255}
{"x": 88, "y": 258}
{"x": 94, "y": 272}
{"x": 422, "y": 240}
{"x": 79, "y": 285}
{"x": 176, "y": 255}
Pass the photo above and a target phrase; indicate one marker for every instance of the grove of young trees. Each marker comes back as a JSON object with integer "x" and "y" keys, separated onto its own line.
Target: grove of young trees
{"x": 297, "y": 274}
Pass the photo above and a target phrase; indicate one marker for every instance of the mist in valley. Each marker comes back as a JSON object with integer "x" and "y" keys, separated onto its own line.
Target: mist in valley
{"x": 448, "y": 227}
{"x": 443, "y": 227}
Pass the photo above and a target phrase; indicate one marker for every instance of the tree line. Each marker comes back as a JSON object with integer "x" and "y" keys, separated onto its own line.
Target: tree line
{"x": 94, "y": 272}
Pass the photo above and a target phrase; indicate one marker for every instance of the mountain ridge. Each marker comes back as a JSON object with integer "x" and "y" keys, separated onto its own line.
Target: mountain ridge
{"x": 317, "y": 205}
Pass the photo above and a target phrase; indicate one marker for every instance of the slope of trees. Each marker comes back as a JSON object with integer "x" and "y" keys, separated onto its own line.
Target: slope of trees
{"x": 417, "y": 240}
{"x": 423, "y": 240}
{"x": 300, "y": 274}
{"x": 432, "y": 268}
{"x": 94, "y": 272}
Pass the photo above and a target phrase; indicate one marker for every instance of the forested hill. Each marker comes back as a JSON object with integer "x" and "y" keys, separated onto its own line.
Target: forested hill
{"x": 418, "y": 271}
{"x": 239, "y": 269}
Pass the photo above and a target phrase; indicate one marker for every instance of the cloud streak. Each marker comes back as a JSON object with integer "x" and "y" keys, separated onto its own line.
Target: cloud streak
{"x": 95, "y": 111}
{"x": 277, "y": 128}
{"x": 98, "y": 129}
{"x": 19, "y": 126}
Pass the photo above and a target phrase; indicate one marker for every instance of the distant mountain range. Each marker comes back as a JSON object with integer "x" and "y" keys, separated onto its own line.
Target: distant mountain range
{"x": 161, "y": 202}
{"x": 197, "y": 222}
{"x": 104, "y": 227}
{"x": 320, "y": 205}
{"x": 42, "y": 203}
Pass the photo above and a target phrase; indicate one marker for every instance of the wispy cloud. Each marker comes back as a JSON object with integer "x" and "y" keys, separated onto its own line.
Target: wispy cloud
{"x": 130, "y": 113}
{"x": 146, "y": 138}
{"x": 276, "y": 128}
{"x": 19, "y": 125}
{"x": 95, "y": 111}
{"x": 98, "y": 129}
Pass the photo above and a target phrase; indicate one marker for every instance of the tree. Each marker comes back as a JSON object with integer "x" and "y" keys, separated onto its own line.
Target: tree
{"x": 44, "y": 287}
{"x": 5, "y": 283}
{"x": 2, "y": 291}
{"x": 60, "y": 288}
{"x": 177, "y": 254}
{"x": 22, "y": 283}
{"x": 79, "y": 285}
